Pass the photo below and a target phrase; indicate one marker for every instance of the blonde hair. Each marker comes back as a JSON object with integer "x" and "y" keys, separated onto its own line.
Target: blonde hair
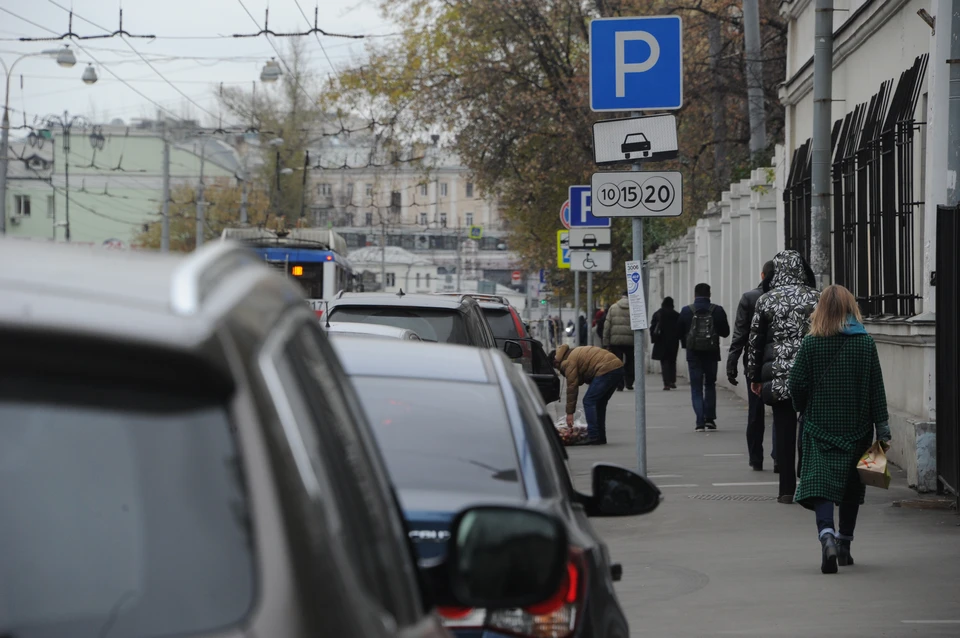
{"x": 835, "y": 305}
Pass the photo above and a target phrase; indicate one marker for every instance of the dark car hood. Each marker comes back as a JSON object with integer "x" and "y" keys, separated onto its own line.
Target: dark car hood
{"x": 429, "y": 514}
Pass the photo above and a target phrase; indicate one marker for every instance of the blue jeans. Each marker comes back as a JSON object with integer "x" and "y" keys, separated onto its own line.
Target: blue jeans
{"x": 848, "y": 516}
{"x": 595, "y": 403}
{"x": 703, "y": 388}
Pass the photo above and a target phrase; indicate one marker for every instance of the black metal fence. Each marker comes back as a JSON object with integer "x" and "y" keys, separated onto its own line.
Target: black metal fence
{"x": 797, "y": 199}
{"x": 948, "y": 349}
{"x": 874, "y": 201}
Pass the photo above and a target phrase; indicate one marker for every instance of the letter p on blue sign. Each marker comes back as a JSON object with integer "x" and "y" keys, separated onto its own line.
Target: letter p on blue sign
{"x": 636, "y": 63}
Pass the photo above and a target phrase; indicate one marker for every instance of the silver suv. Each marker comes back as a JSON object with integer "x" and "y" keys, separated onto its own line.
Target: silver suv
{"x": 180, "y": 454}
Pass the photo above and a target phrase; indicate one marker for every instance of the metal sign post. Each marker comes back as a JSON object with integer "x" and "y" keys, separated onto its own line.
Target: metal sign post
{"x": 626, "y": 76}
{"x": 576, "y": 308}
{"x": 590, "y": 308}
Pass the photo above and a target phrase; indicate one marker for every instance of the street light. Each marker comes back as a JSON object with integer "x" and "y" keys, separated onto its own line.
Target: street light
{"x": 89, "y": 75}
{"x": 271, "y": 71}
{"x": 64, "y": 58}
{"x": 66, "y": 123}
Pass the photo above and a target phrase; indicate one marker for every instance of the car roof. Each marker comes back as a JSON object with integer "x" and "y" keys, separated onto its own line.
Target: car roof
{"x": 413, "y": 359}
{"x": 164, "y": 300}
{"x": 369, "y": 329}
{"x": 393, "y": 300}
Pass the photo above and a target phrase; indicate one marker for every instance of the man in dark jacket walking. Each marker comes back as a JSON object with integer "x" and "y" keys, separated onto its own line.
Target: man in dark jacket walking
{"x": 741, "y": 332}
{"x": 702, "y": 324}
{"x": 665, "y": 336}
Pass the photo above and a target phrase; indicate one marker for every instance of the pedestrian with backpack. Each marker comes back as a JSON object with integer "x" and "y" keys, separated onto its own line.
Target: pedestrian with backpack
{"x": 702, "y": 324}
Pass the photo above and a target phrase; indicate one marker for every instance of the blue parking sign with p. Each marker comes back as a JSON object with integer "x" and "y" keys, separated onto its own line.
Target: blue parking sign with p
{"x": 636, "y": 63}
{"x": 581, "y": 209}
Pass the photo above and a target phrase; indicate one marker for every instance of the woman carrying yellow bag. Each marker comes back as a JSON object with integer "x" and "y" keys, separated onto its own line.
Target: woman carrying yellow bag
{"x": 837, "y": 384}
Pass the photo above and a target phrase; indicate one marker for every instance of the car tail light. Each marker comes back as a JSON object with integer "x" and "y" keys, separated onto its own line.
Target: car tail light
{"x": 555, "y": 617}
{"x": 462, "y": 617}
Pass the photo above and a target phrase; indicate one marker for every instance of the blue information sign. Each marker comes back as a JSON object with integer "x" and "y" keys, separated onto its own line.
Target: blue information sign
{"x": 636, "y": 64}
{"x": 581, "y": 212}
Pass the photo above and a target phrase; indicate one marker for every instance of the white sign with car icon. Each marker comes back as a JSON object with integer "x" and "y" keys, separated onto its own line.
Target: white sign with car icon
{"x": 590, "y": 238}
{"x": 633, "y": 139}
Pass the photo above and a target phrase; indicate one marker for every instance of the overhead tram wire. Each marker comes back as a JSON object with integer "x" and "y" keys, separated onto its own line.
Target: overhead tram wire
{"x": 140, "y": 55}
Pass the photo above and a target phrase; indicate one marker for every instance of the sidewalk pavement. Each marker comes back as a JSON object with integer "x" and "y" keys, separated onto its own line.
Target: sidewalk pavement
{"x": 701, "y": 566}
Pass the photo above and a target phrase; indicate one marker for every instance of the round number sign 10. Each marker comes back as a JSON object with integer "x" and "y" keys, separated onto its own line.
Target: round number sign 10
{"x": 654, "y": 194}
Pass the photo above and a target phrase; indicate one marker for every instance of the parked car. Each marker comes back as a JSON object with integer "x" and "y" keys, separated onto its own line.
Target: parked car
{"x": 433, "y": 317}
{"x": 507, "y": 326}
{"x": 181, "y": 454}
{"x": 460, "y": 426}
{"x": 369, "y": 330}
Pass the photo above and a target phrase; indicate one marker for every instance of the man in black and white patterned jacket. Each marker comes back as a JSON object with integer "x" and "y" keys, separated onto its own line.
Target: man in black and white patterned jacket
{"x": 780, "y": 322}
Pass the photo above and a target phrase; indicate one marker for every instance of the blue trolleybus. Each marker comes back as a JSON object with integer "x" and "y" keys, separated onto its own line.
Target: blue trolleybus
{"x": 314, "y": 257}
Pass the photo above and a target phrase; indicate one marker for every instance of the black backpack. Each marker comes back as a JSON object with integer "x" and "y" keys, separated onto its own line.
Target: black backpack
{"x": 702, "y": 337}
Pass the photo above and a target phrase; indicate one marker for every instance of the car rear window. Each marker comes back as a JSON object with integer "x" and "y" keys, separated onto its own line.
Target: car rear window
{"x": 432, "y": 324}
{"x": 442, "y": 435}
{"x": 123, "y": 513}
{"x": 502, "y": 323}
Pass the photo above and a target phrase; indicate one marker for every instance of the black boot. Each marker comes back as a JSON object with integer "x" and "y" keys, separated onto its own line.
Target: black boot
{"x": 828, "y": 563}
{"x": 844, "y": 557}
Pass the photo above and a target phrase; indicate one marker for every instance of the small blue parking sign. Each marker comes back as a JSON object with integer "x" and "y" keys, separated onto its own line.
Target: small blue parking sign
{"x": 581, "y": 209}
{"x": 636, "y": 63}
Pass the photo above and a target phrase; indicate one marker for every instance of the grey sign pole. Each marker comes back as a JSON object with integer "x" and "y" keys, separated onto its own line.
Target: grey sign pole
{"x": 639, "y": 353}
{"x": 576, "y": 309}
{"x": 589, "y": 308}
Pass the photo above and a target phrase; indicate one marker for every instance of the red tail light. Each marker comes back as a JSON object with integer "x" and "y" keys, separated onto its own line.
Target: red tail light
{"x": 556, "y": 617}
{"x": 454, "y": 613}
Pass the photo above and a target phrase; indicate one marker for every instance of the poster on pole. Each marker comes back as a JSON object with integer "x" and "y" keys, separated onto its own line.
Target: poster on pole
{"x": 635, "y": 294}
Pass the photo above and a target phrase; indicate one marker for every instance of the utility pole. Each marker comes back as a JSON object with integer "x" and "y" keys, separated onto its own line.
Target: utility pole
{"x": 303, "y": 188}
{"x": 383, "y": 253}
{"x": 66, "y": 123}
{"x": 201, "y": 221}
{"x": 639, "y": 348}
{"x": 576, "y": 308}
{"x": 53, "y": 188}
{"x": 820, "y": 258}
{"x": 953, "y": 126}
{"x": 459, "y": 241}
{"x": 243, "y": 189}
{"x": 754, "y": 72}
{"x": 243, "y": 201}
{"x": 165, "y": 222}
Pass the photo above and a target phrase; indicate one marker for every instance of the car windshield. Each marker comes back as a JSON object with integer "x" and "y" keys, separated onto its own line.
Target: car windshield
{"x": 432, "y": 324}
{"x": 502, "y": 323}
{"x": 435, "y": 436}
{"x": 123, "y": 514}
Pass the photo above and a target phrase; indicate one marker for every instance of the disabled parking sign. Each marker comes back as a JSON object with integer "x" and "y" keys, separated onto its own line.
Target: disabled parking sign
{"x": 636, "y": 63}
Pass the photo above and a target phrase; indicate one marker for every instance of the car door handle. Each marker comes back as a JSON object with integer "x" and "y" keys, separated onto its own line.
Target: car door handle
{"x": 616, "y": 572}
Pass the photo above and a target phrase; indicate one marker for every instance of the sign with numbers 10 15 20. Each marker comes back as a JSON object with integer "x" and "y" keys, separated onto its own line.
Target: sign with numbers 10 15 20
{"x": 637, "y": 194}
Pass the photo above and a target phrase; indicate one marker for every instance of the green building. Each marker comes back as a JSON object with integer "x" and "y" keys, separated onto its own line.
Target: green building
{"x": 115, "y": 180}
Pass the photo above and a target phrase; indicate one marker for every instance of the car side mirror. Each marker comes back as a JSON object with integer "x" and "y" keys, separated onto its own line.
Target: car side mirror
{"x": 505, "y": 557}
{"x": 618, "y": 491}
{"x": 513, "y": 350}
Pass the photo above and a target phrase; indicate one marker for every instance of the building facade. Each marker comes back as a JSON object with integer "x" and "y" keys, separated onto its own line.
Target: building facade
{"x": 421, "y": 199}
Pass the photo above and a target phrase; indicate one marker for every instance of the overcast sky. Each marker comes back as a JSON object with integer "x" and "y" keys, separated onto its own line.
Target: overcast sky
{"x": 210, "y": 60}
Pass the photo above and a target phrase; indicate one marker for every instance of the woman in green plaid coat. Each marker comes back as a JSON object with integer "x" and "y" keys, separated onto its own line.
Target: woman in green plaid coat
{"x": 837, "y": 384}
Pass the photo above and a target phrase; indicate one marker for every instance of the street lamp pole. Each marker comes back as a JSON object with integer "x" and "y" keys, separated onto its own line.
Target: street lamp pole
{"x": 65, "y": 58}
{"x": 66, "y": 123}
